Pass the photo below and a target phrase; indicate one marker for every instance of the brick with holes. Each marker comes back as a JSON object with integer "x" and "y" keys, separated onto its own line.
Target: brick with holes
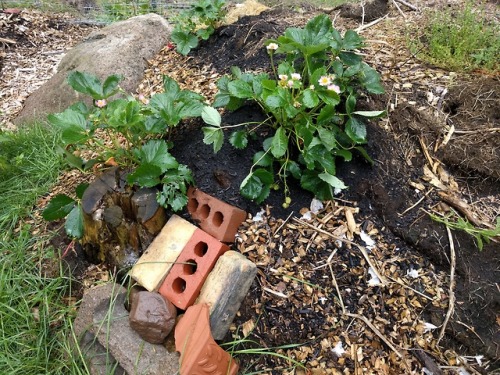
{"x": 215, "y": 217}
{"x": 186, "y": 277}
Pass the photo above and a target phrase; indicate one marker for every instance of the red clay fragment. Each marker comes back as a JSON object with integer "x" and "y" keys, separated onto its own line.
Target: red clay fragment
{"x": 189, "y": 272}
{"x": 216, "y": 217}
{"x": 200, "y": 354}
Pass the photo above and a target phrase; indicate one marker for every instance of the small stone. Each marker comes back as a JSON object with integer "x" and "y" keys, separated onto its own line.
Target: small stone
{"x": 152, "y": 316}
{"x": 225, "y": 288}
{"x": 112, "y": 328}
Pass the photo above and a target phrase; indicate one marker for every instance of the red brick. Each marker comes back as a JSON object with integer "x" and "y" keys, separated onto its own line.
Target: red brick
{"x": 215, "y": 217}
{"x": 186, "y": 277}
{"x": 200, "y": 354}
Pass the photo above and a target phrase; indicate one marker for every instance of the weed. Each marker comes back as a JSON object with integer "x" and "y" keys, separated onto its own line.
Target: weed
{"x": 461, "y": 40}
{"x": 454, "y": 221}
{"x": 197, "y": 23}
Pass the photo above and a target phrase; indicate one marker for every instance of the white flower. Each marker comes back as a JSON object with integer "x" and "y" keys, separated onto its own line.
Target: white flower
{"x": 101, "y": 103}
{"x": 324, "y": 81}
{"x": 296, "y": 76}
{"x": 290, "y": 83}
{"x": 283, "y": 77}
{"x": 311, "y": 87}
{"x": 334, "y": 87}
{"x": 272, "y": 47}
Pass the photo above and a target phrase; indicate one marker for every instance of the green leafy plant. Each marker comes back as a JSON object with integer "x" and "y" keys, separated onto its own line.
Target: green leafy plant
{"x": 310, "y": 100}
{"x": 460, "y": 39}
{"x": 124, "y": 9}
{"x": 197, "y": 23}
{"x": 454, "y": 221}
{"x": 125, "y": 132}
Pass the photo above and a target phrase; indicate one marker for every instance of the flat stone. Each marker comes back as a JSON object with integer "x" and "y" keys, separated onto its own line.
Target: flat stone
{"x": 152, "y": 316}
{"x": 99, "y": 360}
{"x": 135, "y": 356}
{"x": 225, "y": 288}
{"x": 152, "y": 267}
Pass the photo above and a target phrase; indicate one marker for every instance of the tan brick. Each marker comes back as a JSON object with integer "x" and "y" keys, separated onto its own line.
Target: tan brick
{"x": 154, "y": 264}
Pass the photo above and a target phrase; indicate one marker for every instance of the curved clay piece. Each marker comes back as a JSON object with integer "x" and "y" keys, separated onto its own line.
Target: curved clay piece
{"x": 200, "y": 354}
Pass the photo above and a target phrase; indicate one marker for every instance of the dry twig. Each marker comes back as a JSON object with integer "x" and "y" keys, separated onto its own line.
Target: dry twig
{"x": 451, "y": 291}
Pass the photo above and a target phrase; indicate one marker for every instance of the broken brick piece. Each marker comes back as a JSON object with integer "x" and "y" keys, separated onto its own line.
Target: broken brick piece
{"x": 200, "y": 354}
{"x": 215, "y": 217}
{"x": 186, "y": 277}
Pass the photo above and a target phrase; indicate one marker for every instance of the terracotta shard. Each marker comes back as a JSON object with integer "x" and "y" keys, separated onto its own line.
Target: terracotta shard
{"x": 200, "y": 354}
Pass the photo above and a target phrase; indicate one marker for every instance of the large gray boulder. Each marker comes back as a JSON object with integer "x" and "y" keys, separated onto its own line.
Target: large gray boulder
{"x": 120, "y": 48}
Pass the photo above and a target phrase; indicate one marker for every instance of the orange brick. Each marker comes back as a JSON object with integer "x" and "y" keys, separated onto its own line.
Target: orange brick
{"x": 215, "y": 217}
{"x": 186, "y": 277}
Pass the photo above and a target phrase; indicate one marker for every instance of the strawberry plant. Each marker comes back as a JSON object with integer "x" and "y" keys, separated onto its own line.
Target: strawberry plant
{"x": 310, "y": 100}
{"x": 126, "y": 132}
{"x": 197, "y": 23}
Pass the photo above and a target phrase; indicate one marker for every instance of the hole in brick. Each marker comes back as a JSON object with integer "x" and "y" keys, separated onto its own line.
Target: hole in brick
{"x": 193, "y": 205}
{"x": 204, "y": 211}
{"x": 201, "y": 249}
{"x": 218, "y": 219}
{"x": 190, "y": 267}
{"x": 179, "y": 285}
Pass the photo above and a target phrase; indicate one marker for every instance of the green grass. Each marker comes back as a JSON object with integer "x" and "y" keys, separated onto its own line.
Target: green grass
{"x": 34, "y": 321}
{"x": 460, "y": 39}
{"x": 43, "y": 5}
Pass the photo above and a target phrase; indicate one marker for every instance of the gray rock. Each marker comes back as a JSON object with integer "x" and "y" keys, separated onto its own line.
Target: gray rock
{"x": 152, "y": 316}
{"x": 136, "y": 356}
{"x": 99, "y": 360}
{"x": 120, "y": 48}
{"x": 225, "y": 288}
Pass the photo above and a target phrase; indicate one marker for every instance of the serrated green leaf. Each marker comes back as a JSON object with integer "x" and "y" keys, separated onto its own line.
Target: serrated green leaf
{"x": 311, "y": 182}
{"x": 251, "y": 187}
{"x": 333, "y": 181}
{"x": 80, "y": 189}
{"x": 350, "y": 104}
{"x": 263, "y": 159}
{"x": 327, "y": 138}
{"x": 155, "y": 152}
{"x": 239, "y": 139}
{"x": 356, "y": 130}
{"x": 145, "y": 175}
{"x": 211, "y": 116}
{"x": 213, "y": 136}
{"x": 240, "y": 89}
{"x": 86, "y": 83}
{"x": 294, "y": 168}
{"x": 370, "y": 79}
{"x": 310, "y": 98}
{"x": 58, "y": 207}
{"x": 73, "y": 123}
{"x": 74, "y": 222}
{"x": 110, "y": 85}
{"x": 363, "y": 152}
{"x": 279, "y": 144}
{"x": 184, "y": 41}
{"x": 352, "y": 40}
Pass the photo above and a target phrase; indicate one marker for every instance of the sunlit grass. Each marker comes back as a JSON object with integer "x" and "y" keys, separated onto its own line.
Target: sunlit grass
{"x": 460, "y": 39}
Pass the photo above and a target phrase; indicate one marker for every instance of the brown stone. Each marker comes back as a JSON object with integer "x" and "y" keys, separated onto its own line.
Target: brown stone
{"x": 152, "y": 316}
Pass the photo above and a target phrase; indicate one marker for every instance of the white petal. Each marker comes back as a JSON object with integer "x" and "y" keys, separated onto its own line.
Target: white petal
{"x": 259, "y": 216}
{"x": 338, "y": 350}
{"x": 307, "y": 216}
{"x": 374, "y": 281}
{"x": 412, "y": 273}
{"x": 316, "y": 206}
{"x": 369, "y": 242}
